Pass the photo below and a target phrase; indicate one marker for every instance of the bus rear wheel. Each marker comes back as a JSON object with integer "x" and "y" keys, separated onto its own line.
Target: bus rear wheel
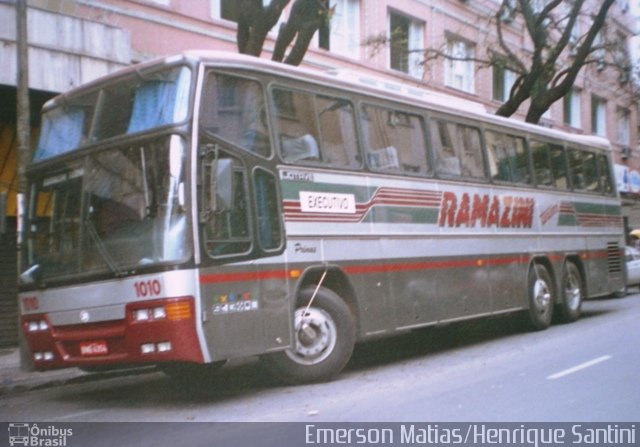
{"x": 324, "y": 337}
{"x": 541, "y": 297}
{"x": 572, "y": 293}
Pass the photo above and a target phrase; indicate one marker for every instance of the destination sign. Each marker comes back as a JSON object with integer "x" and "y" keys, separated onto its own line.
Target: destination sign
{"x": 326, "y": 202}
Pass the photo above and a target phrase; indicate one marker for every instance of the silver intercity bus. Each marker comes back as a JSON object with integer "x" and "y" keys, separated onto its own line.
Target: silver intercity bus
{"x": 211, "y": 206}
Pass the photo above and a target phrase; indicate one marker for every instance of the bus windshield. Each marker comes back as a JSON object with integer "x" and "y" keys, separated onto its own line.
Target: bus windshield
{"x": 111, "y": 211}
{"x": 138, "y": 102}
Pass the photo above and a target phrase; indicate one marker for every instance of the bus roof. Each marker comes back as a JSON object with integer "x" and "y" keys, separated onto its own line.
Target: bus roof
{"x": 366, "y": 83}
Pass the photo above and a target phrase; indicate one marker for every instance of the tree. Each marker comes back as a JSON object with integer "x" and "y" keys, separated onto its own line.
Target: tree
{"x": 255, "y": 20}
{"x": 547, "y": 69}
{"x": 548, "y": 72}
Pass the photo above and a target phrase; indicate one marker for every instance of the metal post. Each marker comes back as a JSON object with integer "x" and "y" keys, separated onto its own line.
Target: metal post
{"x": 23, "y": 130}
{"x": 23, "y": 113}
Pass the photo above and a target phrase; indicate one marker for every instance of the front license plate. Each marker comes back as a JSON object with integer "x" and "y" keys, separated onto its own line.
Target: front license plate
{"x": 93, "y": 348}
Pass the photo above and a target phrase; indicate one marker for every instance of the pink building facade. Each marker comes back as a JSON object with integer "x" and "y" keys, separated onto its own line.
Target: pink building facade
{"x": 598, "y": 104}
{"x": 73, "y": 41}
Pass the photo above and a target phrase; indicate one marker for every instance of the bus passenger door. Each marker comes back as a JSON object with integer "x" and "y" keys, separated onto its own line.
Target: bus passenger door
{"x": 244, "y": 299}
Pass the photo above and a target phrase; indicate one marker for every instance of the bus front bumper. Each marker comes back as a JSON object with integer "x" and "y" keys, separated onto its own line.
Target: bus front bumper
{"x": 153, "y": 331}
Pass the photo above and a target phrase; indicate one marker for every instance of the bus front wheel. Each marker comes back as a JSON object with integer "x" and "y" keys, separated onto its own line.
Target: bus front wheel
{"x": 324, "y": 337}
{"x": 541, "y": 297}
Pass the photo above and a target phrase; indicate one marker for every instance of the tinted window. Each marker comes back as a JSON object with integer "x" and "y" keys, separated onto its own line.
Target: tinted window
{"x": 549, "y": 164}
{"x": 145, "y": 102}
{"x": 606, "y": 184}
{"x": 133, "y": 103}
{"x": 394, "y": 141}
{"x": 267, "y": 210}
{"x": 508, "y": 159}
{"x": 226, "y": 231}
{"x": 233, "y": 108}
{"x": 315, "y": 129}
{"x": 458, "y": 149}
{"x": 584, "y": 170}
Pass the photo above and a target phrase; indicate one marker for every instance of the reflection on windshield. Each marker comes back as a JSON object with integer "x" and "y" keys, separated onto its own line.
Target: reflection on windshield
{"x": 139, "y": 102}
{"x": 120, "y": 210}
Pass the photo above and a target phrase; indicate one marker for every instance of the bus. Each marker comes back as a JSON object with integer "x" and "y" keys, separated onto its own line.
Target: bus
{"x": 211, "y": 206}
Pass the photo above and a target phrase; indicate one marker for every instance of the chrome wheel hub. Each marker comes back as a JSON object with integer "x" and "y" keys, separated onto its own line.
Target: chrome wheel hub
{"x": 315, "y": 336}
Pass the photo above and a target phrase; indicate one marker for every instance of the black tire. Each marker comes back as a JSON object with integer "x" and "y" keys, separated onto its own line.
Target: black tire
{"x": 622, "y": 292}
{"x": 541, "y": 298}
{"x": 572, "y": 293}
{"x": 323, "y": 346}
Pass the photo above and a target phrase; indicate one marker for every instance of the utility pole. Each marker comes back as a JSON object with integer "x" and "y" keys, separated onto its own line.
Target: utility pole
{"x": 23, "y": 114}
{"x": 23, "y": 129}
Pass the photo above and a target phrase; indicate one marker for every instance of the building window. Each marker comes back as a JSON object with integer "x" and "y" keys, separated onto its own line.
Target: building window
{"x": 623, "y": 127}
{"x": 407, "y": 43}
{"x": 572, "y": 108}
{"x": 342, "y": 35}
{"x": 228, "y": 9}
{"x": 598, "y": 116}
{"x": 459, "y": 66}
{"x": 503, "y": 80}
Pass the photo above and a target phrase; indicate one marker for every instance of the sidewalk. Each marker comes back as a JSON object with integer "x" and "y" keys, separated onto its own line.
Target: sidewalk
{"x": 14, "y": 380}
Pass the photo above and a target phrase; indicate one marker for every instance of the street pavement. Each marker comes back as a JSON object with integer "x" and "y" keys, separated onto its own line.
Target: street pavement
{"x": 13, "y": 378}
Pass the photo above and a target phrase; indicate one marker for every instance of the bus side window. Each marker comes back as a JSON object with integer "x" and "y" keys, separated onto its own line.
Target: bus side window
{"x": 226, "y": 232}
{"x": 234, "y": 109}
{"x": 558, "y": 167}
{"x": 591, "y": 172}
{"x": 508, "y": 158}
{"x": 297, "y": 126}
{"x": 458, "y": 149}
{"x": 447, "y": 161}
{"x": 606, "y": 185}
{"x": 471, "y": 157}
{"x": 338, "y": 132}
{"x": 267, "y": 210}
{"x": 542, "y": 163}
{"x": 394, "y": 141}
{"x": 582, "y": 166}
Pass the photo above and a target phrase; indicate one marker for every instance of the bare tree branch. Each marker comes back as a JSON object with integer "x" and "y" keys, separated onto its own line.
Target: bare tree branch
{"x": 254, "y": 23}
{"x": 547, "y": 70}
{"x": 503, "y": 44}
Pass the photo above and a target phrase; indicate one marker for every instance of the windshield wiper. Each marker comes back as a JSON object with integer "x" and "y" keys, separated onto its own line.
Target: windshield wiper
{"x": 102, "y": 249}
{"x": 32, "y": 275}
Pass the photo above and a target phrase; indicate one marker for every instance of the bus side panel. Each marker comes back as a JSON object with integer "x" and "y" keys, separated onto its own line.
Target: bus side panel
{"x": 464, "y": 285}
{"x": 603, "y": 268}
{"x": 246, "y": 310}
{"x": 416, "y": 297}
{"x": 508, "y": 281}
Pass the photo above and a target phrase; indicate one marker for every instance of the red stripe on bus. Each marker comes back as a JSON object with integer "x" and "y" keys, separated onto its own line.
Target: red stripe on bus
{"x": 214, "y": 278}
{"x": 430, "y": 265}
